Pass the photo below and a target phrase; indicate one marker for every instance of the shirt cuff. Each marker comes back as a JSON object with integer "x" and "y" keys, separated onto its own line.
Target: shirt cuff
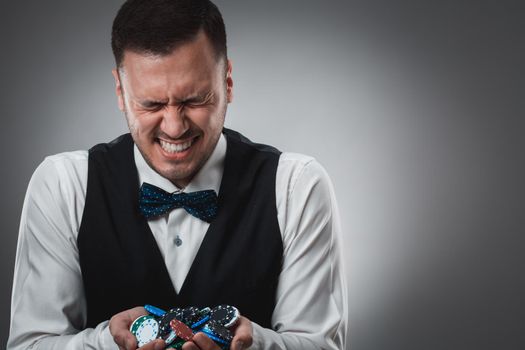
{"x": 107, "y": 339}
{"x": 257, "y": 337}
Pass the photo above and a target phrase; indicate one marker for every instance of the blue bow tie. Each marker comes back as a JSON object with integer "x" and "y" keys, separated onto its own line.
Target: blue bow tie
{"x": 154, "y": 201}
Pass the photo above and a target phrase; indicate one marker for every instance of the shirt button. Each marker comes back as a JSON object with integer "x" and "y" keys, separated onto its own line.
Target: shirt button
{"x": 178, "y": 241}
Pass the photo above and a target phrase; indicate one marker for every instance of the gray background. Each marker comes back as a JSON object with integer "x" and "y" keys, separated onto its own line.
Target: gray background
{"x": 415, "y": 108}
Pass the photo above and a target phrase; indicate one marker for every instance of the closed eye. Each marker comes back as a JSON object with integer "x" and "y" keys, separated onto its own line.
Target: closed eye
{"x": 195, "y": 103}
{"x": 199, "y": 101}
{"x": 151, "y": 105}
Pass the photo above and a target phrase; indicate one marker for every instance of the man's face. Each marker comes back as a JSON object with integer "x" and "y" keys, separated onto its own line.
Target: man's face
{"x": 175, "y": 106}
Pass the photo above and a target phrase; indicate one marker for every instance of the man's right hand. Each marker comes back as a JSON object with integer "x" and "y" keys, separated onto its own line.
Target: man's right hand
{"x": 119, "y": 329}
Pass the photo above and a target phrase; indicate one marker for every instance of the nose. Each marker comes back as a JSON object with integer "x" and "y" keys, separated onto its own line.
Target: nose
{"x": 174, "y": 122}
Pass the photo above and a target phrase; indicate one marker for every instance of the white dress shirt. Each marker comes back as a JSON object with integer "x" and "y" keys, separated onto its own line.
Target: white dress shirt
{"x": 48, "y": 308}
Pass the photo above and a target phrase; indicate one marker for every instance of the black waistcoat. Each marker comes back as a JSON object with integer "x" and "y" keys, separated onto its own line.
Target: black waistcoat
{"x": 239, "y": 260}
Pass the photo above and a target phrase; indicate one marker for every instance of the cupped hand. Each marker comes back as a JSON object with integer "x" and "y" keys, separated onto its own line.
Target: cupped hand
{"x": 119, "y": 329}
{"x": 242, "y": 338}
{"x": 242, "y": 335}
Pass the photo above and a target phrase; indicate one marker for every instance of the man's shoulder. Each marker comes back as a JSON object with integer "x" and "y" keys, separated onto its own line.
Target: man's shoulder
{"x": 61, "y": 167}
{"x": 68, "y": 159}
{"x": 80, "y": 157}
{"x": 296, "y": 159}
{"x": 297, "y": 163}
{"x": 69, "y": 156}
{"x": 60, "y": 177}
{"x": 300, "y": 170}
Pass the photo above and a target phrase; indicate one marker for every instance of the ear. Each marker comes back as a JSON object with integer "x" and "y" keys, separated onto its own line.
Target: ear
{"x": 118, "y": 89}
{"x": 229, "y": 82}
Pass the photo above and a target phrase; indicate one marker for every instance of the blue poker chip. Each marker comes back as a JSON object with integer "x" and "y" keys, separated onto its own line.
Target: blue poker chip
{"x": 215, "y": 330}
{"x": 154, "y": 310}
{"x": 215, "y": 338}
{"x": 200, "y": 322}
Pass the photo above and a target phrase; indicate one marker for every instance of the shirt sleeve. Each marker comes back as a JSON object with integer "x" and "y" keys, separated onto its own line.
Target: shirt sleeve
{"x": 48, "y": 308}
{"x": 311, "y": 303}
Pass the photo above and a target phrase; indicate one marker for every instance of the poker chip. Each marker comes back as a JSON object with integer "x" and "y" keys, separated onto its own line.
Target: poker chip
{"x": 145, "y": 329}
{"x": 181, "y": 329}
{"x": 215, "y": 329}
{"x": 178, "y": 325}
{"x": 154, "y": 310}
{"x": 200, "y": 322}
{"x": 170, "y": 338}
{"x": 164, "y": 322}
{"x": 190, "y": 315}
{"x": 205, "y": 311}
{"x": 203, "y": 317}
{"x": 225, "y": 315}
{"x": 216, "y": 339}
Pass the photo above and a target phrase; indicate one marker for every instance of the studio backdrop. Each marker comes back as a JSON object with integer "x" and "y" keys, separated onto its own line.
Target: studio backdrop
{"x": 415, "y": 108}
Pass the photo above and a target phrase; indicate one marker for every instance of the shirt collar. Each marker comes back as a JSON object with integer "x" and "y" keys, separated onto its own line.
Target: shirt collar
{"x": 208, "y": 178}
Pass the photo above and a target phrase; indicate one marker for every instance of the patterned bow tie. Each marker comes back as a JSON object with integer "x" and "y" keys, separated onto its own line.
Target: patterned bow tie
{"x": 154, "y": 201}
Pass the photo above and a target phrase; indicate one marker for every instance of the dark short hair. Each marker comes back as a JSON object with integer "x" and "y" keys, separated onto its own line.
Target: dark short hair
{"x": 159, "y": 26}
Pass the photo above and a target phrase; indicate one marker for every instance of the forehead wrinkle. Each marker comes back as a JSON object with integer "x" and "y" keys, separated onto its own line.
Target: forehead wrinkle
{"x": 155, "y": 90}
{"x": 203, "y": 95}
{"x": 167, "y": 86}
{"x": 197, "y": 94}
{"x": 174, "y": 76}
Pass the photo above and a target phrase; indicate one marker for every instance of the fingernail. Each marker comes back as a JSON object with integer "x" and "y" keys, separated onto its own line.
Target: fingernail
{"x": 159, "y": 346}
{"x": 239, "y": 345}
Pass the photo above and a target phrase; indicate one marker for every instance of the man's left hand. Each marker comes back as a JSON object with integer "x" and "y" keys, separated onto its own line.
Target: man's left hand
{"x": 242, "y": 338}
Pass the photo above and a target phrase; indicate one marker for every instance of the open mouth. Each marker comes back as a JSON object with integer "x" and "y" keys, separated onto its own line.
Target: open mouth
{"x": 176, "y": 147}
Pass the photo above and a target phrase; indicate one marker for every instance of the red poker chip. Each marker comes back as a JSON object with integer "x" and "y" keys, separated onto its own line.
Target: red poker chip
{"x": 181, "y": 329}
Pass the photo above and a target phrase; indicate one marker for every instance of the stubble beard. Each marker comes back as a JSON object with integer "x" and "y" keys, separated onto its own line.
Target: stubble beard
{"x": 177, "y": 175}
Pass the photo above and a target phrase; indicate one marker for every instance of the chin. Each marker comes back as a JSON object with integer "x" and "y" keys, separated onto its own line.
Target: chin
{"x": 178, "y": 177}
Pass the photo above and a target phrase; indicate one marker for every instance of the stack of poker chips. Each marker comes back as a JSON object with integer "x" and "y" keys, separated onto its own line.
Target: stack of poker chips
{"x": 178, "y": 326}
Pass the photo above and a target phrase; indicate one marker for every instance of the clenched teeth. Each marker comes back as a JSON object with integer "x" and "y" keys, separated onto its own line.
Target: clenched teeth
{"x": 173, "y": 148}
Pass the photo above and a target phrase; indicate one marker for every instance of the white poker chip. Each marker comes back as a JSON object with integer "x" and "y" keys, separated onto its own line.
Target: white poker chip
{"x": 145, "y": 329}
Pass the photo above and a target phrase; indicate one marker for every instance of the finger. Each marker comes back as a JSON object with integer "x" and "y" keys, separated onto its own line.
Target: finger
{"x": 189, "y": 345}
{"x": 157, "y": 344}
{"x": 126, "y": 318}
{"x": 119, "y": 327}
{"x": 237, "y": 345}
{"x": 243, "y": 335}
{"x": 124, "y": 339}
{"x": 203, "y": 342}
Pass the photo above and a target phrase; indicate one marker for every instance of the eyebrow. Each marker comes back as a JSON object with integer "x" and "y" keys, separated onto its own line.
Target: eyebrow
{"x": 151, "y": 103}
{"x": 204, "y": 96}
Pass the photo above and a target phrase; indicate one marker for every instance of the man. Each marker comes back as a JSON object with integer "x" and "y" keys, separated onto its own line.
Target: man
{"x": 91, "y": 251}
